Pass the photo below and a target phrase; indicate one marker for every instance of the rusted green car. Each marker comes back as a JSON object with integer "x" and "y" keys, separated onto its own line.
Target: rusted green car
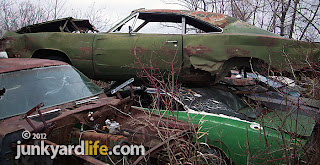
{"x": 204, "y": 45}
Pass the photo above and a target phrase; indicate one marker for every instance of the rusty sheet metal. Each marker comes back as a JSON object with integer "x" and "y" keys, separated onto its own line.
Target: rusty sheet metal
{"x": 239, "y": 82}
{"x": 70, "y": 114}
{"x": 14, "y": 64}
{"x": 230, "y": 50}
{"x": 104, "y": 138}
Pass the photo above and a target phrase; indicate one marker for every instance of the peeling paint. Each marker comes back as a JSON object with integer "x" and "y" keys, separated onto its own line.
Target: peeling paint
{"x": 237, "y": 52}
{"x": 196, "y": 50}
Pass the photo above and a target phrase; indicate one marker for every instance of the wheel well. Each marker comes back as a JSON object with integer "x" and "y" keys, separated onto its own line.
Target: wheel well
{"x": 47, "y": 53}
{"x": 215, "y": 149}
{"x": 251, "y": 63}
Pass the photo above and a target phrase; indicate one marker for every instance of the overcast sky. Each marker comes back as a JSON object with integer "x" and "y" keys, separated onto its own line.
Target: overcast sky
{"x": 118, "y": 9}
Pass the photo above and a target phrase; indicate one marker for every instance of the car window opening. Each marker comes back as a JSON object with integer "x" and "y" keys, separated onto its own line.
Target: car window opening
{"x": 165, "y": 23}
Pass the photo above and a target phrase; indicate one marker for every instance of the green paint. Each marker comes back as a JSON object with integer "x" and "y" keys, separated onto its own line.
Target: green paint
{"x": 241, "y": 143}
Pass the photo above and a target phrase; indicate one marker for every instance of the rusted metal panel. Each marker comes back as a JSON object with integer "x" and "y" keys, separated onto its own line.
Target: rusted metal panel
{"x": 13, "y": 64}
{"x": 104, "y": 138}
{"x": 238, "y": 82}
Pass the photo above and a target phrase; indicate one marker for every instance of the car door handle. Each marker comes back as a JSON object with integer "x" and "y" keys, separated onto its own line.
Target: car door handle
{"x": 175, "y": 42}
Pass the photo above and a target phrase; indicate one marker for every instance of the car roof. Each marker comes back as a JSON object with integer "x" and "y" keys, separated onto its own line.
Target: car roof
{"x": 225, "y": 22}
{"x": 15, "y": 64}
{"x": 216, "y": 19}
{"x": 55, "y": 25}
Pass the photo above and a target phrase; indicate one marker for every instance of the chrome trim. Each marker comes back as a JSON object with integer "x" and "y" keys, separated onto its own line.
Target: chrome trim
{"x": 44, "y": 113}
{"x": 124, "y": 21}
{"x": 87, "y": 100}
{"x": 122, "y": 86}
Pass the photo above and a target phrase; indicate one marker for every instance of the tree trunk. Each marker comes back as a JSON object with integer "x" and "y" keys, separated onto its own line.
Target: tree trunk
{"x": 293, "y": 18}
{"x": 283, "y": 16}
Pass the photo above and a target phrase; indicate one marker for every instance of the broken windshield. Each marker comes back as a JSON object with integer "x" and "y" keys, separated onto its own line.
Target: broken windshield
{"x": 52, "y": 85}
{"x": 212, "y": 100}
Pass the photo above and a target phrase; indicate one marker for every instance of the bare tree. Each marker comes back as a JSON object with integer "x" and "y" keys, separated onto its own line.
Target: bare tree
{"x": 298, "y": 19}
{"x": 56, "y": 8}
{"x": 30, "y": 14}
{"x": 16, "y": 14}
{"x": 95, "y": 14}
{"x": 312, "y": 21}
{"x": 293, "y": 18}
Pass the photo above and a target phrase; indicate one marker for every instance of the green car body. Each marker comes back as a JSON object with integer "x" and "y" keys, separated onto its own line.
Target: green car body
{"x": 275, "y": 137}
{"x": 245, "y": 142}
{"x": 219, "y": 43}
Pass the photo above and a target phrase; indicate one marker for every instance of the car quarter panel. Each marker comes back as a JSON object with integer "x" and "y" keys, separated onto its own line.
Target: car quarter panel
{"x": 77, "y": 46}
{"x": 209, "y": 51}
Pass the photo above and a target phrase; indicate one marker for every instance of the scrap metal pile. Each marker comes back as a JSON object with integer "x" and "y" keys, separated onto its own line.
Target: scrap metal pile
{"x": 107, "y": 121}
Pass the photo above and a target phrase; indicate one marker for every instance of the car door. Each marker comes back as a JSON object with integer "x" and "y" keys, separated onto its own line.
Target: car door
{"x": 122, "y": 55}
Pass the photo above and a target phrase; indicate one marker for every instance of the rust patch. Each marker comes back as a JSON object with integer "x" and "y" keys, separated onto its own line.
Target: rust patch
{"x": 104, "y": 138}
{"x": 14, "y": 64}
{"x": 238, "y": 52}
{"x": 167, "y": 51}
{"x": 140, "y": 50}
{"x": 196, "y": 50}
{"x": 267, "y": 41}
{"x": 86, "y": 49}
{"x": 8, "y": 39}
{"x": 239, "y": 82}
{"x": 26, "y": 44}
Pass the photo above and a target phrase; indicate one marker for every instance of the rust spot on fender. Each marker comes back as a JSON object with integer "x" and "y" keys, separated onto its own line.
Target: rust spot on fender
{"x": 140, "y": 50}
{"x": 85, "y": 49}
{"x": 196, "y": 50}
{"x": 238, "y": 52}
{"x": 267, "y": 41}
